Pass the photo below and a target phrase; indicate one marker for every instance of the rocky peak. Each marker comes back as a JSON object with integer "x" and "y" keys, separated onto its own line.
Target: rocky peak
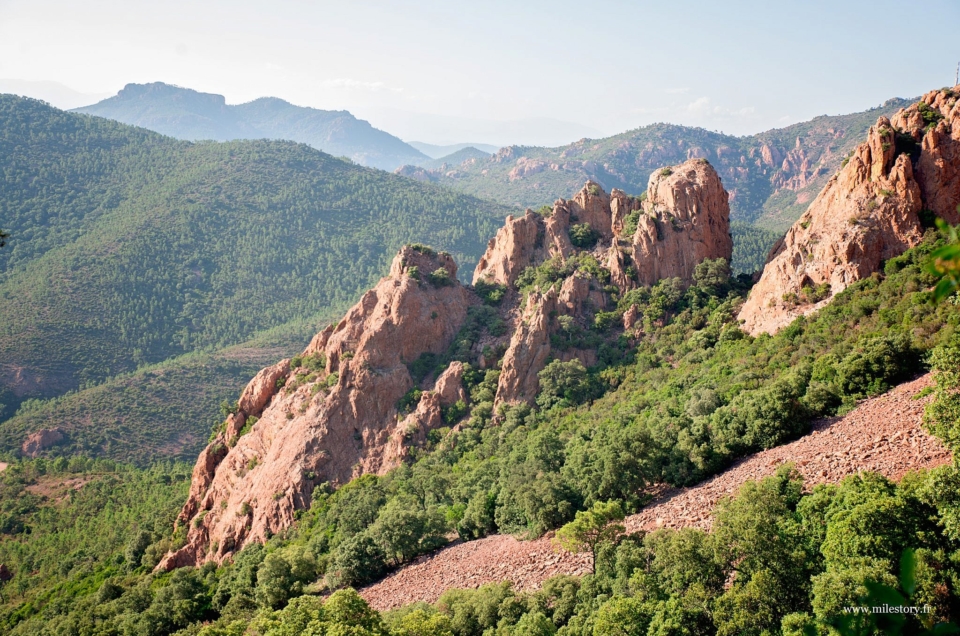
{"x": 344, "y": 406}
{"x": 685, "y": 219}
{"x": 328, "y": 416}
{"x": 868, "y": 212}
{"x": 592, "y": 205}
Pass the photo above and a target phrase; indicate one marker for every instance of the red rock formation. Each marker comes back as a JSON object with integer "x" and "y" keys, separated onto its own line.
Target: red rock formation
{"x": 938, "y": 168}
{"x": 529, "y": 349}
{"x": 511, "y": 251}
{"x": 41, "y": 440}
{"x": 867, "y": 213}
{"x": 686, "y": 220}
{"x": 688, "y": 199}
{"x": 339, "y": 422}
{"x": 249, "y": 487}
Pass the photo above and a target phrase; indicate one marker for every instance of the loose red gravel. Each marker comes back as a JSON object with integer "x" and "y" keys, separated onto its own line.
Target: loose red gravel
{"x": 883, "y": 435}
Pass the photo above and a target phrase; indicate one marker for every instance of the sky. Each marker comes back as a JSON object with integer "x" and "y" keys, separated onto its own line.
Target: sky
{"x": 491, "y": 71}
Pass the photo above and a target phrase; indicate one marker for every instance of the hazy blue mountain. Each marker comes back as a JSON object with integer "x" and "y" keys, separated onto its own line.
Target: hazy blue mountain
{"x": 455, "y": 159}
{"x": 438, "y": 152}
{"x": 191, "y": 115}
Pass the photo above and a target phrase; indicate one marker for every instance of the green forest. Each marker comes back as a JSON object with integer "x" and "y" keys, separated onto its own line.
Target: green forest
{"x": 134, "y": 260}
{"x": 679, "y": 404}
{"x": 128, "y": 248}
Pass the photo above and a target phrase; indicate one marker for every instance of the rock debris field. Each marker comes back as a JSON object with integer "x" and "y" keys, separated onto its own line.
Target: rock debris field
{"x": 883, "y": 434}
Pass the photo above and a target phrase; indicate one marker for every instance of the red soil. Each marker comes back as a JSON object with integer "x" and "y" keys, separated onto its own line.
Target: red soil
{"x": 883, "y": 435}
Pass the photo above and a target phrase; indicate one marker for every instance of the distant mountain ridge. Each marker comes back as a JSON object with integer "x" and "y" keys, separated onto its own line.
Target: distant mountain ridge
{"x": 771, "y": 176}
{"x": 439, "y": 152}
{"x": 191, "y": 115}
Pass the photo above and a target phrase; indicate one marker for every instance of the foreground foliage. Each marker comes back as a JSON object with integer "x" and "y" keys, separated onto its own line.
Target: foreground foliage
{"x": 681, "y": 400}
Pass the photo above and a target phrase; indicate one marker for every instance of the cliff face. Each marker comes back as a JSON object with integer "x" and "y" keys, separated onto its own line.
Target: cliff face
{"x": 683, "y": 221}
{"x": 867, "y": 213}
{"x": 329, "y": 420}
{"x": 332, "y": 413}
{"x": 686, "y": 220}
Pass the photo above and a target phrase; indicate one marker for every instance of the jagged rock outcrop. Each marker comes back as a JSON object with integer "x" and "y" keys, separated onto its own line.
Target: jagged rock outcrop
{"x": 331, "y": 419}
{"x": 689, "y": 199}
{"x": 332, "y": 413}
{"x": 529, "y": 349}
{"x": 686, "y": 220}
{"x": 867, "y": 213}
{"x": 533, "y": 238}
{"x": 512, "y": 250}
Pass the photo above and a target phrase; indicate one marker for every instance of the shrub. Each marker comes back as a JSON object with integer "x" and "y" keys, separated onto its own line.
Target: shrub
{"x": 630, "y": 223}
{"x": 583, "y": 236}
{"x": 876, "y": 364}
{"x": 403, "y": 530}
{"x": 426, "y": 250}
{"x": 356, "y": 561}
{"x": 440, "y": 277}
{"x": 491, "y": 293}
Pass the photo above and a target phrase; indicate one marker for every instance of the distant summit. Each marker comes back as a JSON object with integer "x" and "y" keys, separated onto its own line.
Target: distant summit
{"x": 188, "y": 114}
{"x": 439, "y": 152}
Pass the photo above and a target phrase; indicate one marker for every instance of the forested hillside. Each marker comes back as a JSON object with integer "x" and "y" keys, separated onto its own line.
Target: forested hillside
{"x": 128, "y": 248}
{"x": 684, "y": 400}
{"x": 771, "y": 176}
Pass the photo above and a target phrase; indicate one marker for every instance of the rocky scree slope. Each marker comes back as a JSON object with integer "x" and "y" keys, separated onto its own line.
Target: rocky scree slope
{"x": 882, "y": 435}
{"x": 334, "y": 412}
{"x": 873, "y": 209}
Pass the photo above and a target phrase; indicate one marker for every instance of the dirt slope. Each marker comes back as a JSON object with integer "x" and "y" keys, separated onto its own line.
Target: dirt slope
{"x": 883, "y": 434}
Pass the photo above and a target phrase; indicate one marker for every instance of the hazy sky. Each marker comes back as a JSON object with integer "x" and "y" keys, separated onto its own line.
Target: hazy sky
{"x": 519, "y": 72}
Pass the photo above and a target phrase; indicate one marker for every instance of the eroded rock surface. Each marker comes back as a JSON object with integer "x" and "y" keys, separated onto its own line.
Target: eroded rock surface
{"x": 332, "y": 415}
{"x": 325, "y": 425}
{"x": 41, "y": 440}
{"x": 686, "y": 220}
{"x": 867, "y": 213}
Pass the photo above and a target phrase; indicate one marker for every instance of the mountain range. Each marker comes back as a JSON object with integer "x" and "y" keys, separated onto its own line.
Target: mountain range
{"x": 607, "y": 386}
{"x": 771, "y": 176}
{"x": 191, "y": 115}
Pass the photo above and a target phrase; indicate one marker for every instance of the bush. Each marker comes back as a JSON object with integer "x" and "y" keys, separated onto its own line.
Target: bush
{"x": 583, "y": 236}
{"x": 403, "y": 530}
{"x": 876, "y": 364}
{"x": 630, "y": 223}
{"x": 356, "y": 561}
{"x": 440, "y": 277}
{"x": 490, "y": 293}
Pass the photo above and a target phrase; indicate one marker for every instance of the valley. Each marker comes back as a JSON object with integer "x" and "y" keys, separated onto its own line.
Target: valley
{"x": 720, "y": 452}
